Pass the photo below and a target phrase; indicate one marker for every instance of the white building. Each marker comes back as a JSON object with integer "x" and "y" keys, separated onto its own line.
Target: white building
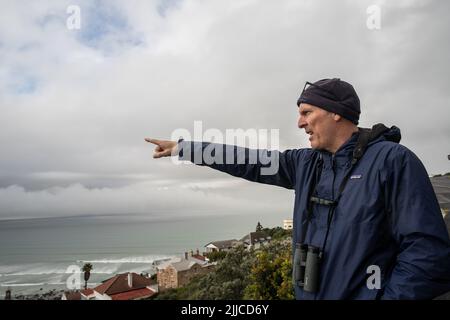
{"x": 287, "y": 224}
{"x": 217, "y": 246}
{"x": 255, "y": 240}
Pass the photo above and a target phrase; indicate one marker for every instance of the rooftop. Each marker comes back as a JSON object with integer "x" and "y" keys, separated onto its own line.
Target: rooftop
{"x": 133, "y": 294}
{"x": 72, "y": 295}
{"x": 119, "y": 284}
{"x": 181, "y": 264}
{"x": 255, "y": 237}
{"x": 223, "y": 244}
{"x": 87, "y": 292}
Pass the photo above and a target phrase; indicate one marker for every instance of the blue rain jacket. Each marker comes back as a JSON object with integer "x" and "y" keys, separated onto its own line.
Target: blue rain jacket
{"x": 388, "y": 216}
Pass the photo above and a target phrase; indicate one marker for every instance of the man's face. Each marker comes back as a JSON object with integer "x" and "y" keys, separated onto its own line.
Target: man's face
{"x": 318, "y": 124}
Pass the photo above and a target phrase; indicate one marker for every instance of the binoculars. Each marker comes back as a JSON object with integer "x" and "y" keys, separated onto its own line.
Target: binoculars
{"x": 306, "y": 267}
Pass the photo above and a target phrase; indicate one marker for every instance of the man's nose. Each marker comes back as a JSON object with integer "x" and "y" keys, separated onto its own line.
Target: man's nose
{"x": 301, "y": 122}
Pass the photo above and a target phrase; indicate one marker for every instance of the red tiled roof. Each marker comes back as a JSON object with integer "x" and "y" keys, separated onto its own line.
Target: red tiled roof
{"x": 119, "y": 284}
{"x": 87, "y": 292}
{"x": 105, "y": 285}
{"x": 133, "y": 294}
{"x": 199, "y": 257}
{"x": 72, "y": 295}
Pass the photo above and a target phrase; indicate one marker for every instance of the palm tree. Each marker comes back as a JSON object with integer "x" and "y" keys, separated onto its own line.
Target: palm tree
{"x": 87, "y": 273}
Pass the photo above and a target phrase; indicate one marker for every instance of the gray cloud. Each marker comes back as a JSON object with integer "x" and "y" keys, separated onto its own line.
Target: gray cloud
{"x": 76, "y": 105}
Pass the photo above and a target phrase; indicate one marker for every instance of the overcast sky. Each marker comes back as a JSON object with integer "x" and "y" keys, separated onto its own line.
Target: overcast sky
{"x": 76, "y": 105}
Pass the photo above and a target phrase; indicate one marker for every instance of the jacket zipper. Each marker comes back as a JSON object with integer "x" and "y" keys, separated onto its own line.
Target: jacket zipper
{"x": 332, "y": 198}
{"x": 334, "y": 175}
{"x": 332, "y": 189}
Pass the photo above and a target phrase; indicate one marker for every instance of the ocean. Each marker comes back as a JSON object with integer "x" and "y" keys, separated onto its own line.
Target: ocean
{"x": 38, "y": 255}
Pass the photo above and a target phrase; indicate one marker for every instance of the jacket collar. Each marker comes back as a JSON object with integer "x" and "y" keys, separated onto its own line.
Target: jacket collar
{"x": 343, "y": 155}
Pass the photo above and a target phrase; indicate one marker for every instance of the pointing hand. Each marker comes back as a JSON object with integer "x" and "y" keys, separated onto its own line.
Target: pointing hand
{"x": 164, "y": 148}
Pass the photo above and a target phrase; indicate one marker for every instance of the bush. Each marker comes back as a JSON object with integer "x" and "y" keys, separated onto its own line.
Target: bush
{"x": 271, "y": 273}
{"x": 216, "y": 255}
{"x": 244, "y": 274}
{"x": 227, "y": 281}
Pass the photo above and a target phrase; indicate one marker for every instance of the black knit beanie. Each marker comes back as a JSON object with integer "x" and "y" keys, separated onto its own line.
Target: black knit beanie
{"x": 333, "y": 95}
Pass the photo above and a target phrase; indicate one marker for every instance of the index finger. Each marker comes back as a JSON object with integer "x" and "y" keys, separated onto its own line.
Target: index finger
{"x": 154, "y": 141}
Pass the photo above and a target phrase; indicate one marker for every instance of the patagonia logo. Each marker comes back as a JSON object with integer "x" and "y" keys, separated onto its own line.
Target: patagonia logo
{"x": 356, "y": 176}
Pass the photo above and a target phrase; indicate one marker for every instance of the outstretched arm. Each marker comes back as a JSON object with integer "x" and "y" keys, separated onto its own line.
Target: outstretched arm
{"x": 269, "y": 167}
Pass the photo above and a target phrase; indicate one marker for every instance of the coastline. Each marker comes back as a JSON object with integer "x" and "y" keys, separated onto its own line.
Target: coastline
{"x": 53, "y": 294}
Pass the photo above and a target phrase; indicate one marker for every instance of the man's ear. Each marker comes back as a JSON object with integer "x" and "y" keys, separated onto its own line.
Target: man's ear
{"x": 337, "y": 117}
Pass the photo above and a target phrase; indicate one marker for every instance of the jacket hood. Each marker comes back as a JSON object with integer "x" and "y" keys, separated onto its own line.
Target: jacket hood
{"x": 359, "y": 141}
{"x": 377, "y": 133}
{"x": 391, "y": 134}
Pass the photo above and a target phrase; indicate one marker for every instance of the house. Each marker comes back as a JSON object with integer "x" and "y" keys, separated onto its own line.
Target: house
{"x": 71, "y": 295}
{"x": 87, "y": 294}
{"x": 178, "y": 272}
{"x": 217, "y": 246}
{"x": 255, "y": 240}
{"x": 125, "y": 286}
{"x": 198, "y": 256}
{"x": 287, "y": 224}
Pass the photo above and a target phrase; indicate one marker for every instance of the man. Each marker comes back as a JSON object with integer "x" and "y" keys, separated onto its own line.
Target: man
{"x": 367, "y": 224}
